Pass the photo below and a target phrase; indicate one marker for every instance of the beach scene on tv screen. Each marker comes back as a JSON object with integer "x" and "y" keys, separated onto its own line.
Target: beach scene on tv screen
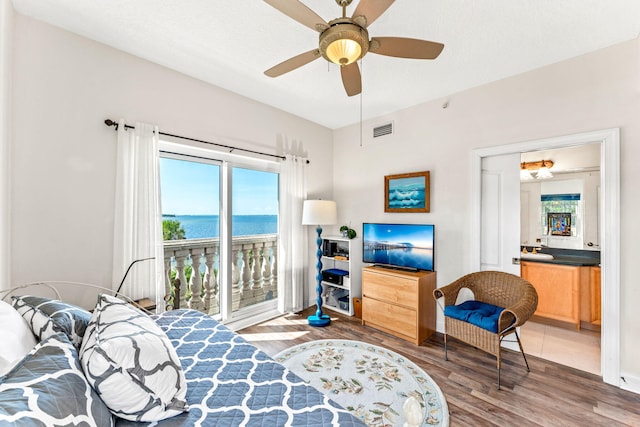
{"x": 399, "y": 245}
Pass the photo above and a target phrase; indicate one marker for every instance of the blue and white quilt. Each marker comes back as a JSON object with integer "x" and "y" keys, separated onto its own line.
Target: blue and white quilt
{"x": 230, "y": 382}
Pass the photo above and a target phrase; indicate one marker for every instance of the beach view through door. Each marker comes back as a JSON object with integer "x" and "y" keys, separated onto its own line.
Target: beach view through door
{"x": 217, "y": 215}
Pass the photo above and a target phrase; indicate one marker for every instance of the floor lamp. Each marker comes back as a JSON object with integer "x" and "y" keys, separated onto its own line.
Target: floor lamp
{"x": 319, "y": 212}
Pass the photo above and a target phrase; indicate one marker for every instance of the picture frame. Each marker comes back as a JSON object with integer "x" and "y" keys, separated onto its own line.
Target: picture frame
{"x": 407, "y": 192}
{"x": 559, "y": 224}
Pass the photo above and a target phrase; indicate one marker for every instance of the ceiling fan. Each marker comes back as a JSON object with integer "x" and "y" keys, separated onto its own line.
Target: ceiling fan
{"x": 345, "y": 40}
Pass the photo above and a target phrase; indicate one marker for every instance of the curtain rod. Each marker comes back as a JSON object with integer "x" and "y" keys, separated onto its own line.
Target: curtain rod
{"x": 110, "y": 122}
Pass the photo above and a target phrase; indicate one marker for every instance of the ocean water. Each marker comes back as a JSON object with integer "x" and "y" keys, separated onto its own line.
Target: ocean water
{"x": 206, "y": 226}
{"x": 407, "y": 193}
{"x": 420, "y": 258}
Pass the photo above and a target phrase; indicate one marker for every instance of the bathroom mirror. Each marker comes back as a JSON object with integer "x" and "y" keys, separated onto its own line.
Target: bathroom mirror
{"x": 570, "y": 198}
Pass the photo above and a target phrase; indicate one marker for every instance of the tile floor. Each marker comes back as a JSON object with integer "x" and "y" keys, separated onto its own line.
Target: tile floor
{"x": 578, "y": 349}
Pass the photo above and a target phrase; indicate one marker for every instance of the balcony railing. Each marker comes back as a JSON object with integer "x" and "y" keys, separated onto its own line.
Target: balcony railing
{"x": 254, "y": 272}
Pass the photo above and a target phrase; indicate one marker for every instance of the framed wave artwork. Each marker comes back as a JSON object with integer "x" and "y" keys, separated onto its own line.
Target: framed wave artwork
{"x": 407, "y": 192}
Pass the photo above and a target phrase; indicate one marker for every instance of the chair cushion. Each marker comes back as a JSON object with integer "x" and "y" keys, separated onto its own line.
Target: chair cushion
{"x": 477, "y": 313}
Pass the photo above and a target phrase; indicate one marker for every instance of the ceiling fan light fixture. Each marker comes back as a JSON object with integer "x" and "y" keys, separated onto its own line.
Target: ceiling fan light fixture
{"x": 343, "y": 42}
{"x": 344, "y": 51}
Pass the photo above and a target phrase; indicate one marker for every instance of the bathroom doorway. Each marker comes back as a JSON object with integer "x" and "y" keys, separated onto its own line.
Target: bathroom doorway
{"x": 609, "y": 226}
{"x": 568, "y": 186}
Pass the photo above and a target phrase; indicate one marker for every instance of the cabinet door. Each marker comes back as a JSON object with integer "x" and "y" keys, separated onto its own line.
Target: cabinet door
{"x": 396, "y": 290}
{"x": 558, "y": 290}
{"x": 389, "y": 317}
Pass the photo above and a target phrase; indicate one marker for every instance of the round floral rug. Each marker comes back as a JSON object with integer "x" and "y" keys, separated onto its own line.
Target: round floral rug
{"x": 371, "y": 382}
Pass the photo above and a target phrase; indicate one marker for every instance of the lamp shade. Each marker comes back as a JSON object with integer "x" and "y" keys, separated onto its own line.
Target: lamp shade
{"x": 319, "y": 212}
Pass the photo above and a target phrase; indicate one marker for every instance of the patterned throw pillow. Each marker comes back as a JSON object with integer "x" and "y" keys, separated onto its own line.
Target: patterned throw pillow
{"x": 48, "y": 388}
{"x": 47, "y": 317}
{"x": 131, "y": 363}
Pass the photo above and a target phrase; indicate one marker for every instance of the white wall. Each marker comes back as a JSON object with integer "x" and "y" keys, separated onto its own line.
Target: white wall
{"x": 6, "y": 51}
{"x": 64, "y": 156}
{"x": 600, "y": 90}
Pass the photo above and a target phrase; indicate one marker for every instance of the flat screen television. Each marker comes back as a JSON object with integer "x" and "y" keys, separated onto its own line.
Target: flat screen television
{"x": 404, "y": 246}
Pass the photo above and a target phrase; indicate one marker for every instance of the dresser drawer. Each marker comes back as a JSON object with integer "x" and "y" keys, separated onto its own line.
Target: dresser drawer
{"x": 396, "y": 290}
{"x": 390, "y": 317}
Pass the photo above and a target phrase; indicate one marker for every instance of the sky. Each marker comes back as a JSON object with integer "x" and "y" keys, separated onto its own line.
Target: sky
{"x": 193, "y": 188}
{"x": 418, "y": 234}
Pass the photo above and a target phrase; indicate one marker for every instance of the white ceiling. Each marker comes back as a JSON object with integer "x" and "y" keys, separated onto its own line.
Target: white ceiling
{"x": 231, "y": 43}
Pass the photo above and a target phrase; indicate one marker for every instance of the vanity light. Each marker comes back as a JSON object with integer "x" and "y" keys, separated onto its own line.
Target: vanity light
{"x": 542, "y": 167}
{"x": 544, "y": 172}
{"x": 525, "y": 175}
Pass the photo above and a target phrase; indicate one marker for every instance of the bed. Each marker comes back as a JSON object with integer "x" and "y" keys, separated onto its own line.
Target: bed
{"x": 218, "y": 378}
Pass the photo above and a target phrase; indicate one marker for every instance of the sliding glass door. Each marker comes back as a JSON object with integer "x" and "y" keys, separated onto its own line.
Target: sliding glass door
{"x": 220, "y": 224}
{"x": 190, "y": 194}
{"x": 254, "y": 220}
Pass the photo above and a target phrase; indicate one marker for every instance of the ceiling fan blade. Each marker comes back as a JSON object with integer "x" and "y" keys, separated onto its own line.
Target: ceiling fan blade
{"x": 371, "y": 9}
{"x": 402, "y": 47}
{"x": 293, "y": 63}
{"x": 299, "y": 12}
{"x": 351, "y": 78}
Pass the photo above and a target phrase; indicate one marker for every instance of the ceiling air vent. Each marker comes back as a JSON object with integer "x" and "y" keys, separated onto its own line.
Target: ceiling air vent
{"x": 382, "y": 130}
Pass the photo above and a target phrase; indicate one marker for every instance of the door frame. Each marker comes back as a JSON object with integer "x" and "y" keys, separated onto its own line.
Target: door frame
{"x": 609, "y": 140}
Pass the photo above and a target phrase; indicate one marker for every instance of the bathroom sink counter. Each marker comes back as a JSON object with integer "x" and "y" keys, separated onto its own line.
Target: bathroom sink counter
{"x": 572, "y": 257}
{"x": 569, "y": 260}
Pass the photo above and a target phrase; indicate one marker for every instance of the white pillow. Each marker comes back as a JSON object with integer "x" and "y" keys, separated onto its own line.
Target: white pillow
{"x": 15, "y": 335}
{"x": 131, "y": 363}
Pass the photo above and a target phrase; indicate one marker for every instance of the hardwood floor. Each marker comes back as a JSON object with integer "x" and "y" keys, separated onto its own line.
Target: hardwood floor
{"x": 549, "y": 395}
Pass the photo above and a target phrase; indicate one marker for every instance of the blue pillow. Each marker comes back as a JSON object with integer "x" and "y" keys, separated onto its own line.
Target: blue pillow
{"x": 477, "y": 313}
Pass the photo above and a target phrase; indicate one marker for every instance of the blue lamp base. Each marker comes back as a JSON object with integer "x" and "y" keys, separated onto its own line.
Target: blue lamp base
{"x": 323, "y": 320}
{"x": 319, "y": 319}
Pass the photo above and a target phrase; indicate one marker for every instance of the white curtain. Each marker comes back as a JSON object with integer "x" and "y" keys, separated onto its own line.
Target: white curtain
{"x": 292, "y": 250}
{"x": 138, "y": 217}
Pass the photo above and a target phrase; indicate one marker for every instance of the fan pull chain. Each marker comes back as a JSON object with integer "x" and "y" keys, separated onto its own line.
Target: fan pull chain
{"x": 361, "y": 80}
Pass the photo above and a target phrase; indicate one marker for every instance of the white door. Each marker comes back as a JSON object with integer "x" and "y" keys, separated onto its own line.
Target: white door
{"x": 500, "y": 213}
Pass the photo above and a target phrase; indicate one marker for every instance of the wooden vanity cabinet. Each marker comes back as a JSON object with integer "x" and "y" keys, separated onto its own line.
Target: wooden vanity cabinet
{"x": 566, "y": 294}
{"x": 399, "y": 302}
{"x": 558, "y": 288}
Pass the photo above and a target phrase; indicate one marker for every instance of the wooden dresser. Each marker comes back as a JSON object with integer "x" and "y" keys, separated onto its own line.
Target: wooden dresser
{"x": 399, "y": 302}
